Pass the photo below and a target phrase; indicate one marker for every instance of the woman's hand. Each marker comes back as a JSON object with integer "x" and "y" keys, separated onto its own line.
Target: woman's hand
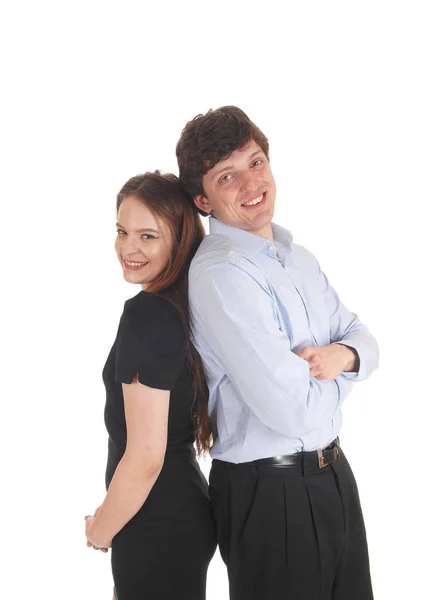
{"x": 92, "y": 538}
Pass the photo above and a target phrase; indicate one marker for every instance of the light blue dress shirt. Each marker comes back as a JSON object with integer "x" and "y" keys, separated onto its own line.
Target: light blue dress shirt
{"x": 254, "y": 304}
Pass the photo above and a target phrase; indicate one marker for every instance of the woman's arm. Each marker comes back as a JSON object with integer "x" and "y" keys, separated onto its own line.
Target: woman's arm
{"x": 146, "y": 415}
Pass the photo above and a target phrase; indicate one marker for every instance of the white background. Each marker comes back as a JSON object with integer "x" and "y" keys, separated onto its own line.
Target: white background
{"x": 352, "y": 98}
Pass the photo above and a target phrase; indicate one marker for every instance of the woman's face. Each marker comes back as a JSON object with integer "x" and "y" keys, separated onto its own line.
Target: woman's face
{"x": 143, "y": 243}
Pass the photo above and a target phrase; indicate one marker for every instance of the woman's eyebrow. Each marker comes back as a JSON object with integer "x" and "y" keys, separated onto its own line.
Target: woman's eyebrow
{"x": 139, "y": 230}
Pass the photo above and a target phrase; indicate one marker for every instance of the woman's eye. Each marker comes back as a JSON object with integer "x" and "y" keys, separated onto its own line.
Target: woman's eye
{"x": 225, "y": 178}
{"x": 257, "y": 162}
{"x": 147, "y": 236}
{"x": 120, "y": 232}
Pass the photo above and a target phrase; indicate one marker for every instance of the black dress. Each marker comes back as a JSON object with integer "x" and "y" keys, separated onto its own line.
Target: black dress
{"x": 164, "y": 551}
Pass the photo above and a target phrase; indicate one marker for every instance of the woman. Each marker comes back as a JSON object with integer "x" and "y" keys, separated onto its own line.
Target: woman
{"x": 156, "y": 515}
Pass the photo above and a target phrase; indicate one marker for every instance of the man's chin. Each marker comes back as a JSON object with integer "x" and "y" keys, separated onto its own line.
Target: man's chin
{"x": 264, "y": 218}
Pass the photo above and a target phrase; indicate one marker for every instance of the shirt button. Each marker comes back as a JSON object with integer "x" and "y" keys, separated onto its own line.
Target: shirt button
{"x": 272, "y": 248}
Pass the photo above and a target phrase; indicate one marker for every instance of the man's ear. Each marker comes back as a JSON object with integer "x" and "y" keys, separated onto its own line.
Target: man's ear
{"x": 202, "y": 203}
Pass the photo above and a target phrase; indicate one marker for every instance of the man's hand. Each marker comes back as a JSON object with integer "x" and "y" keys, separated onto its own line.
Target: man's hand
{"x": 327, "y": 362}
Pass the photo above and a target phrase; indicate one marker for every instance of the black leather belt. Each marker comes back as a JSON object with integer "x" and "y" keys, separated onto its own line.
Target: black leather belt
{"x": 319, "y": 458}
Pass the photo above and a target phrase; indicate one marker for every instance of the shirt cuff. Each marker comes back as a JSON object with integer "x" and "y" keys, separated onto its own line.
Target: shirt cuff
{"x": 352, "y": 375}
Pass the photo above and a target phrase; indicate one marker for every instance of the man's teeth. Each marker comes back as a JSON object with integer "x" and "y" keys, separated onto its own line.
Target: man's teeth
{"x": 254, "y": 201}
{"x": 134, "y": 264}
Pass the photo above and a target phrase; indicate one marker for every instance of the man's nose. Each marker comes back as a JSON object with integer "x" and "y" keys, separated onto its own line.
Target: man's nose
{"x": 248, "y": 181}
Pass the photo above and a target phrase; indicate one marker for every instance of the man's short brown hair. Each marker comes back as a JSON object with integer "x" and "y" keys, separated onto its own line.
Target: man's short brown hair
{"x": 210, "y": 138}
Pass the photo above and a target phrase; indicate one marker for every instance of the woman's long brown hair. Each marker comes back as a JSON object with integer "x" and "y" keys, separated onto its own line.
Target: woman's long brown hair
{"x": 167, "y": 198}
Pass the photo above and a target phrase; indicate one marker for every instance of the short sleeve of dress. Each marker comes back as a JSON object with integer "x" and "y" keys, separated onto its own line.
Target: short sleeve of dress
{"x": 150, "y": 342}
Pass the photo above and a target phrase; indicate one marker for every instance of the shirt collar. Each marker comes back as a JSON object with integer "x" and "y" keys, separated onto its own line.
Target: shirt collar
{"x": 281, "y": 235}
{"x": 251, "y": 242}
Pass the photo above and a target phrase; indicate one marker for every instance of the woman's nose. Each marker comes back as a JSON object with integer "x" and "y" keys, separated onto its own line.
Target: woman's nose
{"x": 129, "y": 247}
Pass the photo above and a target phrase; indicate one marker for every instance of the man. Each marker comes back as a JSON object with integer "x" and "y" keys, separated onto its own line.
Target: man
{"x": 281, "y": 353}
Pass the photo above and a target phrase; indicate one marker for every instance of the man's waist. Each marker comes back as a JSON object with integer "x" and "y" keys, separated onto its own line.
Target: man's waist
{"x": 305, "y": 461}
{"x": 256, "y": 445}
{"x": 248, "y": 454}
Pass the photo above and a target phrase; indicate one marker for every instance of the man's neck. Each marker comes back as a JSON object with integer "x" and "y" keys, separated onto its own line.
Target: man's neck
{"x": 265, "y": 233}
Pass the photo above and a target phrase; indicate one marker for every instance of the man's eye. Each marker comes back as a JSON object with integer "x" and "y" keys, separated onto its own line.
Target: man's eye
{"x": 257, "y": 162}
{"x": 120, "y": 232}
{"x": 225, "y": 178}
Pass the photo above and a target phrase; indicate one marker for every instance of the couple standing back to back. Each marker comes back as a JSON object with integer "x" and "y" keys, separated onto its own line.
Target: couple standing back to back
{"x": 279, "y": 352}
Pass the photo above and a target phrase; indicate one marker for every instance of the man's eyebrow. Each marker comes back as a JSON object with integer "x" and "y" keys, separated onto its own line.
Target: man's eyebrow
{"x": 138, "y": 230}
{"x": 218, "y": 173}
{"x": 255, "y": 154}
{"x": 229, "y": 167}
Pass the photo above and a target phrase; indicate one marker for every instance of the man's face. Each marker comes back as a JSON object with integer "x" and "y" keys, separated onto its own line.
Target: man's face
{"x": 240, "y": 190}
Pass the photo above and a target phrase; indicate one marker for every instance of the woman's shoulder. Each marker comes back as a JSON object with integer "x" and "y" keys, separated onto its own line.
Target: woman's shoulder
{"x": 151, "y": 314}
{"x": 151, "y": 342}
{"x": 151, "y": 306}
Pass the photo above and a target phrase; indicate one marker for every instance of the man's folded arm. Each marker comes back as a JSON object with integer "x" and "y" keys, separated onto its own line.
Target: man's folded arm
{"x": 347, "y": 329}
{"x": 234, "y": 311}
